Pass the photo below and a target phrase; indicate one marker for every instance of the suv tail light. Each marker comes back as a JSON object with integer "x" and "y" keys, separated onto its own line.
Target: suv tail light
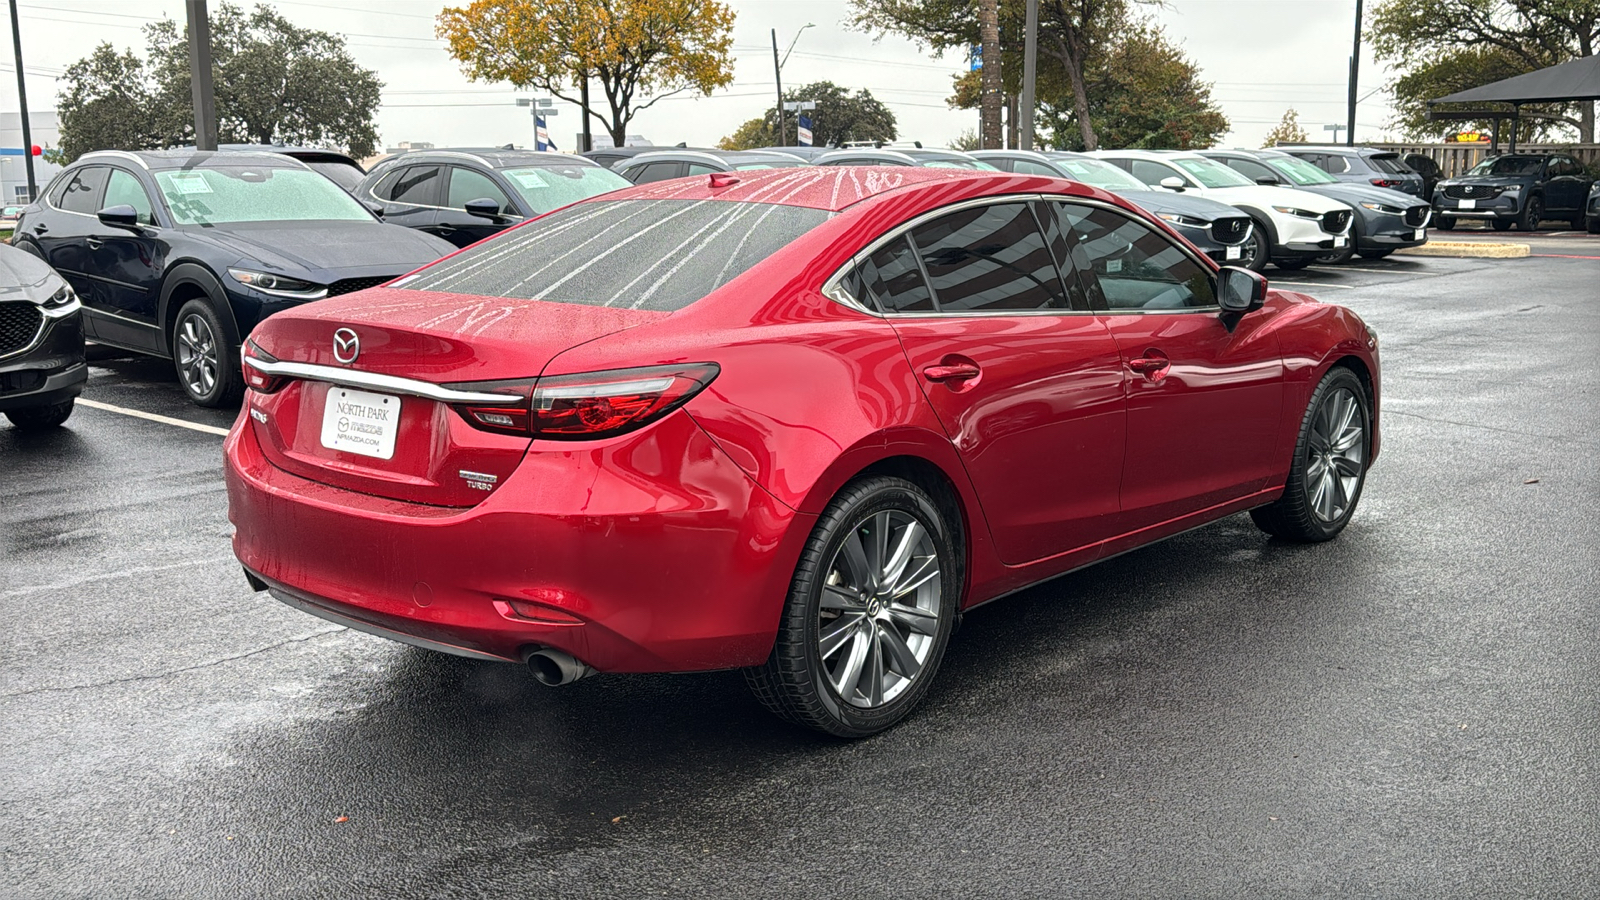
{"x": 591, "y": 405}
{"x": 256, "y": 379}
{"x": 1384, "y": 182}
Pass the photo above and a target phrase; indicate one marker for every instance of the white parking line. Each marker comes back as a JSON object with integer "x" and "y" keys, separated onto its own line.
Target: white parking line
{"x": 165, "y": 420}
{"x": 1342, "y": 287}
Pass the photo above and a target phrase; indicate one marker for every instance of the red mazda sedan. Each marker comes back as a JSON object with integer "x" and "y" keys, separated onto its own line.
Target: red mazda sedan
{"x": 792, "y": 421}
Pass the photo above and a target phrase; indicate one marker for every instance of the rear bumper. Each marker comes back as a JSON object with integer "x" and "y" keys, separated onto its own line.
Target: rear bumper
{"x": 651, "y": 552}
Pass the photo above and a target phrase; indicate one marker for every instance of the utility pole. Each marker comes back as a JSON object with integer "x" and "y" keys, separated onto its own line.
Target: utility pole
{"x": 205, "y": 99}
{"x": 1355, "y": 69}
{"x": 583, "y": 100}
{"x": 22, "y": 97}
{"x": 989, "y": 103}
{"x": 1030, "y": 71}
{"x": 777, "y": 75}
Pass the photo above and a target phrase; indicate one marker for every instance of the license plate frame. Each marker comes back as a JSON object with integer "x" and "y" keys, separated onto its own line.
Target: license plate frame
{"x": 1467, "y": 204}
{"x": 360, "y": 422}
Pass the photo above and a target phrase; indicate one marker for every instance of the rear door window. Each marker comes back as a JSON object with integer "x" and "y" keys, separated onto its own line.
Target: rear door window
{"x": 83, "y": 191}
{"x": 657, "y": 171}
{"x": 1151, "y": 173}
{"x": 418, "y": 185}
{"x": 637, "y": 254}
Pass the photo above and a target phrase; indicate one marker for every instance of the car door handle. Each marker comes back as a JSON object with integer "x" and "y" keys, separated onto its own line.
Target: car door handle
{"x": 956, "y": 372}
{"x": 1144, "y": 365}
{"x": 447, "y": 229}
{"x": 40, "y": 229}
{"x": 94, "y": 243}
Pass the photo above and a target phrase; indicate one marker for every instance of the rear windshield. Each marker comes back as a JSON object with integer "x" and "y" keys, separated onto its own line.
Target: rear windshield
{"x": 639, "y": 254}
{"x": 1390, "y": 164}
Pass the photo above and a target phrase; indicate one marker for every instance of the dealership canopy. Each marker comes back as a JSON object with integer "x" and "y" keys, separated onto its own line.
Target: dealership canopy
{"x": 1575, "y": 80}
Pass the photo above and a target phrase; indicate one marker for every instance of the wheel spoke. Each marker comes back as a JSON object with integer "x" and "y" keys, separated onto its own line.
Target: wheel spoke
{"x": 834, "y": 637}
{"x": 836, "y": 597}
{"x": 902, "y": 555}
{"x": 920, "y": 576}
{"x": 1346, "y": 467}
{"x": 914, "y": 618}
{"x": 902, "y": 661}
{"x": 873, "y": 670}
{"x": 878, "y": 547}
{"x": 855, "y": 555}
{"x": 849, "y": 672}
{"x": 1341, "y": 497}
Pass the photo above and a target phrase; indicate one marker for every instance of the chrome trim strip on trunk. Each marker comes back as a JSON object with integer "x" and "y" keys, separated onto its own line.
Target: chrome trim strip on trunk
{"x": 391, "y": 383}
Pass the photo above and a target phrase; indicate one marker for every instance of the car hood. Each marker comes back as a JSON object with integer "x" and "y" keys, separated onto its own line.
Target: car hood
{"x": 1178, "y": 204}
{"x": 25, "y": 275}
{"x": 329, "y": 247}
{"x": 1493, "y": 180}
{"x": 1267, "y": 196}
{"x": 1353, "y": 194}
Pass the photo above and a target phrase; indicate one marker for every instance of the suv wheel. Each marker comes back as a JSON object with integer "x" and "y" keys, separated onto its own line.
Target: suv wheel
{"x": 40, "y": 418}
{"x": 1445, "y": 223}
{"x": 1254, "y": 251}
{"x": 1532, "y": 215}
{"x": 207, "y": 363}
{"x": 1502, "y": 224}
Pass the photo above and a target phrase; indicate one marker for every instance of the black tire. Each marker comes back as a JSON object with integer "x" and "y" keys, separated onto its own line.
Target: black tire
{"x": 1299, "y": 514}
{"x": 197, "y": 332}
{"x": 1375, "y": 254}
{"x": 1594, "y": 224}
{"x": 1294, "y": 265}
{"x": 1502, "y": 224}
{"x": 41, "y": 418}
{"x": 1579, "y": 222}
{"x": 1336, "y": 257}
{"x": 1532, "y": 215}
{"x": 1256, "y": 250}
{"x": 1445, "y": 223}
{"x": 796, "y": 683}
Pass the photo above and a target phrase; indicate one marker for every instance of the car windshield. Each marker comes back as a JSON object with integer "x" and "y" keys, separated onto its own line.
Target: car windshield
{"x": 1509, "y": 165}
{"x": 1299, "y": 171}
{"x": 958, "y": 164}
{"x": 1212, "y": 174}
{"x": 639, "y": 254}
{"x": 226, "y": 194}
{"x": 552, "y": 187}
{"x": 1100, "y": 174}
{"x": 342, "y": 174}
{"x": 770, "y": 164}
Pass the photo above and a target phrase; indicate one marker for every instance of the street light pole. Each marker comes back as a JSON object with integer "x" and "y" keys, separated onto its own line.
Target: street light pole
{"x": 1355, "y": 68}
{"x": 205, "y": 99}
{"x": 777, "y": 75}
{"x": 22, "y": 97}
{"x": 1030, "y": 68}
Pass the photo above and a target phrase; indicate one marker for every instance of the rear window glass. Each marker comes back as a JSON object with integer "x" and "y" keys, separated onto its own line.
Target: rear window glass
{"x": 1390, "y": 164}
{"x": 638, "y": 254}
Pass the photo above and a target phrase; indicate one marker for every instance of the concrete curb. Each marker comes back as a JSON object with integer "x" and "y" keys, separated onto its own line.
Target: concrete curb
{"x": 1469, "y": 250}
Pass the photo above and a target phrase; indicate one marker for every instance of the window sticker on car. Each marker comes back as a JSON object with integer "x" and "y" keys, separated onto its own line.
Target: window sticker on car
{"x": 1113, "y": 265}
{"x": 532, "y": 181}
{"x": 189, "y": 182}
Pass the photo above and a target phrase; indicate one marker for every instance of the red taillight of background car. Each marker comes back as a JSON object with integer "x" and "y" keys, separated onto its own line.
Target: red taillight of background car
{"x": 1384, "y": 182}
{"x": 590, "y": 405}
{"x": 256, "y": 379}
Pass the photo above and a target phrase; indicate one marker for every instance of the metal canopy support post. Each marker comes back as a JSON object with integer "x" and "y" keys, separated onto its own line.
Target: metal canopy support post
{"x": 1516, "y": 122}
{"x": 1030, "y": 70}
{"x": 1355, "y": 70}
{"x": 205, "y": 99}
{"x": 22, "y": 98}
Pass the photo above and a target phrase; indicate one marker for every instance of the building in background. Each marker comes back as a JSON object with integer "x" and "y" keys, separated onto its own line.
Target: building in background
{"x": 13, "y": 167}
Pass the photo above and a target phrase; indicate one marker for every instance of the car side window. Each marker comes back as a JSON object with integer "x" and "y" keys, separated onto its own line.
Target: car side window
{"x": 1151, "y": 173}
{"x": 658, "y": 171}
{"x": 468, "y": 184}
{"x": 1131, "y": 266}
{"x": 892, "y": 280}
{"x": 418, "y": 185}
{"x": 989, "y": 258}
{"x": 1252, "y": 170}
{"x": 1338, "y": 165}
{"x": 701, "y": 169}
{"x": 123, "y": 189}
{"x": 83, "y": 191}
{"x": 1029, "y": 167}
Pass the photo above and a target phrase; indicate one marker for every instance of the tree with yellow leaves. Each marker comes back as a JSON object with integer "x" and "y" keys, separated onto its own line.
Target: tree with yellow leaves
{"x": 639, "y": 51}
{"x": 1288, "y": 131}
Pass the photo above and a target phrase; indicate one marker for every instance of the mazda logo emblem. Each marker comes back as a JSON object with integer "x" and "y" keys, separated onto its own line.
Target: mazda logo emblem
{"x": 346, "y": 346}
{"x": 1469, "y": 189}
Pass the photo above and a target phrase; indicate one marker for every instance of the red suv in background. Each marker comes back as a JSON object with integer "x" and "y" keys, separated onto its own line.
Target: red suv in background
{"x": 792, "y": 421}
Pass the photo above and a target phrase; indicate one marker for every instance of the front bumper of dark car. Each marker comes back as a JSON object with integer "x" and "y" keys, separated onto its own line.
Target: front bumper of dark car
{"x": 1505, "y": 206}
{"x": 1389, "y": 231}
{"x": 51, "y": 371}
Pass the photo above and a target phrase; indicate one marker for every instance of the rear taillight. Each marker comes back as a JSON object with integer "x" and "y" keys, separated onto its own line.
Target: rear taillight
{"x": 256, "y": 379}
{"x": 1383, "y": 182}
{"x": 591, "y": 405}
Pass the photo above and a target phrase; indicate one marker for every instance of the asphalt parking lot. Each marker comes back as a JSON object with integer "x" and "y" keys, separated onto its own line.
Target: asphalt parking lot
{"x": 1410, "y": 711}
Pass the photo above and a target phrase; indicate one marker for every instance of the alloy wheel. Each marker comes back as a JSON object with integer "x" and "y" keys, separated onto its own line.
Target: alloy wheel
{"x": 1336, "y": 452}
{"x": 880, "y": 608}
{"x": 197, "y": 355}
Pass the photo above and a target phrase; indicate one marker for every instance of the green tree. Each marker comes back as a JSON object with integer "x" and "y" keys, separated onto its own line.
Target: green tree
{"x": 1438, "y": 47}
{"x": 841, "y": 115}
{"x": 275, "y": 83}
{"x": 1145, "y": 94}
{"x": 635, "y": 49}
{"x": 1287, "y": 131}
{"x": 106, "y": 104}
{"x": 753, "y": 133}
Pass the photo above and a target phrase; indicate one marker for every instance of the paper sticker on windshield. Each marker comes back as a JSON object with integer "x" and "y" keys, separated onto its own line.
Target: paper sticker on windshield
{"x": 532, "y": 181}
{"x": 1113, "y": 266}
{"x": 189, "y": 183}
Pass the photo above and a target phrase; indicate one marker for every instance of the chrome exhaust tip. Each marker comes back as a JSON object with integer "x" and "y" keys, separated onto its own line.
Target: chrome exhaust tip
{"x": 552, "y": 667}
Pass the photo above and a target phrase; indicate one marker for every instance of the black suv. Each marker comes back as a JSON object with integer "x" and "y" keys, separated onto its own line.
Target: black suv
{"x": 1519, "y": 189}
{"x": 179, "y": 253}
{"x": 1594, "y": 208}
{"x": 465, "y": 196}
{"x": 41, "y": 343}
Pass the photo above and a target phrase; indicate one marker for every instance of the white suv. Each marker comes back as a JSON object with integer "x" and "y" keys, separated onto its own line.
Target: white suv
{"x": 1300, "y": 224}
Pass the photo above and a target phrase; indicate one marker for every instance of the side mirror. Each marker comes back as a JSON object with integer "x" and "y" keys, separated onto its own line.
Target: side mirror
{"x": 1172, "y": 183}
{"x": 1268, "y": 179}
{"x": 1240, "y": 290}
{"x": 484, "y": 208}
{"x": 120, "y": 216}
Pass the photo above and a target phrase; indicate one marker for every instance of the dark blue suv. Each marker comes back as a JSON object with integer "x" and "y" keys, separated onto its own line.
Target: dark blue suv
{"x": 1519, "y": 189}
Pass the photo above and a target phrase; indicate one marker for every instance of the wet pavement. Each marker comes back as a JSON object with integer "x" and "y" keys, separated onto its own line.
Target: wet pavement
{"x": 1412, "y": 710}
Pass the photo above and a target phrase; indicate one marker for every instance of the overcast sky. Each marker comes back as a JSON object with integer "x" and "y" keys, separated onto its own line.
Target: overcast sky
{"x": 1263, "y": 57}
